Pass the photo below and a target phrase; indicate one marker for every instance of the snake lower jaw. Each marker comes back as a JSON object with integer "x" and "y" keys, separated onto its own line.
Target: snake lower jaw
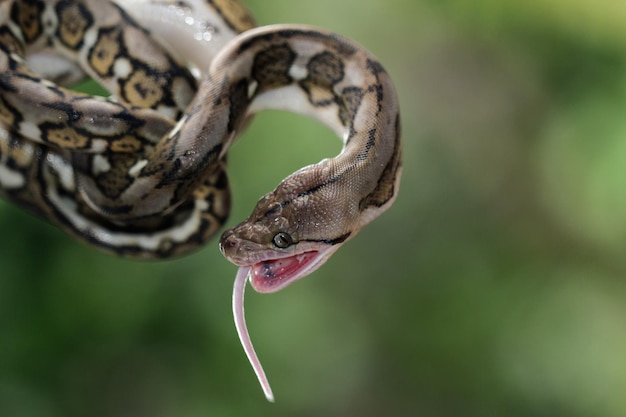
{"x": 272, "y": 275}
{"x": 273, "y": 269}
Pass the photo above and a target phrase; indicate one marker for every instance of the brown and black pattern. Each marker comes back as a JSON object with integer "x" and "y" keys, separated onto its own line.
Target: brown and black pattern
{"x": 325, "y": 70}
{"x": 239, "y": 102}
{"x": 113, "y": 182}
{"x": 145, "y": 88}
{"x": 270, "y": 68}
{"x": 119, "y": 177}
{"x": 9, "y": 115}
{"x": 27, "y": 15}
{"x": 386, "y": 186}
{"x": 16, "y": 155}
{"x": 105, "y": 51}
{"x": 63, "y": 136}
{"x": 9, "y": 44}
{"x": 235, "y": 15}
{"x": 23, "y": 163}
{"x": 74, "y": 21}
{"x": 127, "y": 175}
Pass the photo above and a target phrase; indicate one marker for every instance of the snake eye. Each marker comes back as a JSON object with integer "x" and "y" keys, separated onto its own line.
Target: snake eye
{"x": 282, "y": 240}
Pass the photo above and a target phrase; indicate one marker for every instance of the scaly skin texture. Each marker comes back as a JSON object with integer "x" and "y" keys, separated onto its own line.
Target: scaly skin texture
{"x": 142, "y": 173}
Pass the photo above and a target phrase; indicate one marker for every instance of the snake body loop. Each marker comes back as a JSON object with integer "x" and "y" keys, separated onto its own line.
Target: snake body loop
{"x": 142, "y": 172}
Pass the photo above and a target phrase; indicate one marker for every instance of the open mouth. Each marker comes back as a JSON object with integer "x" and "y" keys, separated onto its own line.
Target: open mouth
{"x": 274, "y": 274}
{"x": 268, "y": 276}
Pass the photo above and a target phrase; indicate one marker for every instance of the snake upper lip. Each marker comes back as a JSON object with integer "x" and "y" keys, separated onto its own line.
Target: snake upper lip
{"x": 245, "y": 253}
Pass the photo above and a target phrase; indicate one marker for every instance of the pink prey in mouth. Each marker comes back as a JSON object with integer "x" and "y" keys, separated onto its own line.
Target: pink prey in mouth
{"x": 272, "y": 275}
{"x": 271, "y": 271}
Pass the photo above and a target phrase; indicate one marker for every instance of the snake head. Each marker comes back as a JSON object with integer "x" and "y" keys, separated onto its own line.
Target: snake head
{"x": 283, "y": 240}
{"x": 274, "y": 247}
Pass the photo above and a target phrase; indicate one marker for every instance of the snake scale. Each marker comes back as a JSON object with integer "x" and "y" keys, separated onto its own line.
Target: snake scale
{"x": 141, "y": 173}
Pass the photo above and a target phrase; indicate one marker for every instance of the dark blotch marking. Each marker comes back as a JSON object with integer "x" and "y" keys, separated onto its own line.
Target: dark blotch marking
{"x": 9, "y": 115}
{"x": 351, "y": 98}
{"x": 105, "y": 50}
{"x": 74, "y": 21}
{"x": 222, "y": 181}
{"x": 371, "y": 141}
{"x": 324, "y": 71}
{"x": 27, "y": 15}
{"x": 376, "y": 69}
{"x": 238, "y": 96}
{"x": 116, "y": 180}
{"x": 385, "y": 188}
{"x": 271, "y": 67}
{"x": 9, "y": 43}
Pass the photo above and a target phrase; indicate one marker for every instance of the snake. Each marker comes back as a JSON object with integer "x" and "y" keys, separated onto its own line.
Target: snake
{"x": 140, "y": 170}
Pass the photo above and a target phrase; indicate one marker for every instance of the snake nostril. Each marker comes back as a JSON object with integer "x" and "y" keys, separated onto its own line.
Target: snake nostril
{"x": 228, "y": 243}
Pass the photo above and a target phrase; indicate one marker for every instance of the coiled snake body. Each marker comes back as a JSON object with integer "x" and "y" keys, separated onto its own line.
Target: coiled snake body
{"x": 142, "y": 172}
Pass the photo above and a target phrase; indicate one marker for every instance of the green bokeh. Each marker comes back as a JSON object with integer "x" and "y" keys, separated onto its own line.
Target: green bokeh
{"x": 494, "y": 287}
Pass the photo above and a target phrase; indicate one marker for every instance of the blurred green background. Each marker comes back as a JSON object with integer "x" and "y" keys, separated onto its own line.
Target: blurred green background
{"x": 494, "y": 287}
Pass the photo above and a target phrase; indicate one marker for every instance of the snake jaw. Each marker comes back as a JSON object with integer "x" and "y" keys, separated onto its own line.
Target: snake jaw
{"x": 273, "y": 269}
{"x": 267, "y": 276}
{"x": 274, "y": 274}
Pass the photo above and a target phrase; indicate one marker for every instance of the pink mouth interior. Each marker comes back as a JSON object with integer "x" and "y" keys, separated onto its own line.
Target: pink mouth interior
{"x": 266, "y": 276}
{"x": 272, "y": 275}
